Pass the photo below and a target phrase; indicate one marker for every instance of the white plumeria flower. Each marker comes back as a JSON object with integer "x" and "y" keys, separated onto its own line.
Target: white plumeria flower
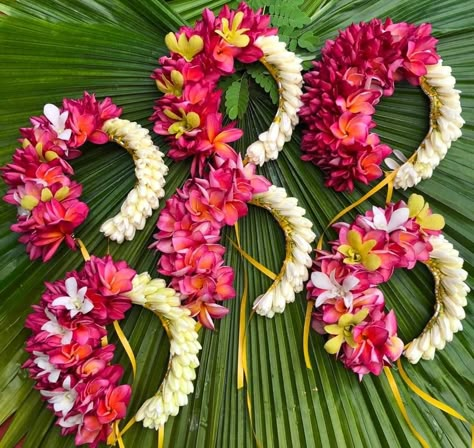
{"x": 333, "y": 288}
{"x": 397, "y": 220}
{"x": 62, "y": 400}
{"x": 69, "y": 422}
{"x": 58, "y": 121}
{"x": 42, "y": 361}
{"x": 75, "y": 301}
{"x": 53, "y": 327}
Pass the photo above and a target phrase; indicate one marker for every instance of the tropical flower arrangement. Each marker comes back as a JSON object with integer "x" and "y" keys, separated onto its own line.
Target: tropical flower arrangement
{"x": 39, "y": 177}
{"x": 349, "y": 304}
{"x": 356, "y": 70}
{"x": 188, "y": 112}
{"x": 71, "y": 360}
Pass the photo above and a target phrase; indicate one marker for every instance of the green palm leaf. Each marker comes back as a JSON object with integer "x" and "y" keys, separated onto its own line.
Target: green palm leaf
{"x": 52, "y": 49}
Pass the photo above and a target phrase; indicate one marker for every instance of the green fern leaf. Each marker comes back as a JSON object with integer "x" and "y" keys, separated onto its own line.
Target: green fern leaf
{"x": 264, "y": 80}
{"x": 237, "y": 98}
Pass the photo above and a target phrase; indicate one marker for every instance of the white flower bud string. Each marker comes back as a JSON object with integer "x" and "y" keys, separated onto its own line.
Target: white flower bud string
{"x": 285, "y": 68}
{"x": 150, "y": 171}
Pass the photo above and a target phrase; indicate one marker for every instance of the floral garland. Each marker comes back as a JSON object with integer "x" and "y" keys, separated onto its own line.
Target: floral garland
{"x": 71, "y": 363}
{"x": 359, "y": 67}
{"x": 350, "y": 307}
{"x": 188, "y": 113}
{"x": 39, "y": 178}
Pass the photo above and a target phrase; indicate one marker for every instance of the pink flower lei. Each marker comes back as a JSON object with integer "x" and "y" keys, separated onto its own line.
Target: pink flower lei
{"x": 356, "y": 69}
{"x": 69, "y": 362}
{"x": 344, "y": 285}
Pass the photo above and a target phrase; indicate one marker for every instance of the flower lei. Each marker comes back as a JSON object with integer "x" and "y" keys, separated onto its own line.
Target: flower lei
{"x": 350, "y": 307}
{"x": 188, "y": 113}
{"x": 39, "y": 178}
{"x": 356, "y": 69}
{"x": 70, "y": 359}
{"x": 189, "y": 227}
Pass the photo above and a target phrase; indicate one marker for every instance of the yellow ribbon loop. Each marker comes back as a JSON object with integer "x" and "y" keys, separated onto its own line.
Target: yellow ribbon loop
{"x": 242, "y": 356}
{"x": 401, "y": 406}
{"x": 307, "y": 325}
{"x": 388, "y": 199}
{"x": 161, "y": 436}
{"x": 254, "y": 262}
{"x": 83, "y": 250}
{"x": 126, "y": 345}
{"x": 433, "y": 401}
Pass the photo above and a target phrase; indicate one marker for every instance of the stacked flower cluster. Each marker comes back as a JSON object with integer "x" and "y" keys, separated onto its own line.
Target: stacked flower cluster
{"x": 189, "y": 232}
{"x": 39, "y": 177}
{"x": 350, "y": 307}
{"x": 150, "y": 171}
{"x": 356, "y": 70}
{"x": 71, "y": 367}
{"x": 188, "y": 113}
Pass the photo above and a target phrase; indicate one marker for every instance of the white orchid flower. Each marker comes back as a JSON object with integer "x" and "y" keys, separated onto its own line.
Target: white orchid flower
{"x": 397, "y": 220}
{"x": 54, "y": 328}
{"x": 333, "y": 288}
{"x": 62, "y": 400}
{"x": 58, "y": 121}
{"x": 75, "y": 301}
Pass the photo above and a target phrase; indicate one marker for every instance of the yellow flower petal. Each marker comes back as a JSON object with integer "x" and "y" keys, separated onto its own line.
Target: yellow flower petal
{"x": 333, "y": 329}
{"x": 46, "y": 195}
{"x": 28, "y": 202}
{"x": 372, "y": 262}
{"x": 354, "y": 239}
{"x": 416, "y": 203}
{"x": 50, "y": 155}
{"x": 193, "y": 120}
{"x": 433, "y": 222}
{"x": 334, "y": 344}
{"x": 61, "y": 193}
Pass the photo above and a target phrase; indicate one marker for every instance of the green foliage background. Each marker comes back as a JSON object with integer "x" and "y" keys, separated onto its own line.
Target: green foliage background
{"x": 50, "y": 49}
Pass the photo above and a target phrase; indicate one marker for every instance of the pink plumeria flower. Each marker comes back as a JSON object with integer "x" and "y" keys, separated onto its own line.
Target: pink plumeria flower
{"x": 333, "y": 288}
{"x": 42, "y": 361}
{"x": 62, "y": 400}
{"x": 58, "y": 121}
{"x": 397, "y": 220}
{"x": 76, "y": 300}
{"x": 54, "y": 328}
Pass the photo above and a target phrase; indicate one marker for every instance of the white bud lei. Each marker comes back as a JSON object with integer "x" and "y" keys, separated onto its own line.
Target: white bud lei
{"x": 150, "y": 171}
{"x": 299, "y": 236}
{"x": 451, "y": 297}
{"x": 285, "y": 67}
{"x": 184, "y": 347}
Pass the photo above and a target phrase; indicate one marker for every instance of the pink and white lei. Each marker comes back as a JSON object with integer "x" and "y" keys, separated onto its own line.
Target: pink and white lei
{"x": 356, "y": 69}
{"x": 40, "y": 176}
{"x": 344, "y": 285}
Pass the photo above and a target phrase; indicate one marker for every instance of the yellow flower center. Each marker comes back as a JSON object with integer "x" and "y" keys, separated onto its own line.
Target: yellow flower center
{"x": 173, "y": 86}
{"x": 233, "y": 35}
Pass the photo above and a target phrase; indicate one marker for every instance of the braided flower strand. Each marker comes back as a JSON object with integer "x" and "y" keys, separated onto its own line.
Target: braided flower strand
{"x": 298, "y": 236}
{"x": 184, "y": 347}
{"x": 150, "y": 171}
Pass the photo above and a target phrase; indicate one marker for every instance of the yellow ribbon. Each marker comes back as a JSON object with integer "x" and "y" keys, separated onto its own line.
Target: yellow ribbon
{"x": 433, "y": 401}
{"x": 388, "y": 199}
{"x": 126, "y": 345}
{"x": 83, "y": 249}
{"x": 242, "y": 356}
{"x": 161, "y": 436}
{"x": 401, "y": 406}
{"x": 307, "y": 325}
{"x": 254, "y": 262}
